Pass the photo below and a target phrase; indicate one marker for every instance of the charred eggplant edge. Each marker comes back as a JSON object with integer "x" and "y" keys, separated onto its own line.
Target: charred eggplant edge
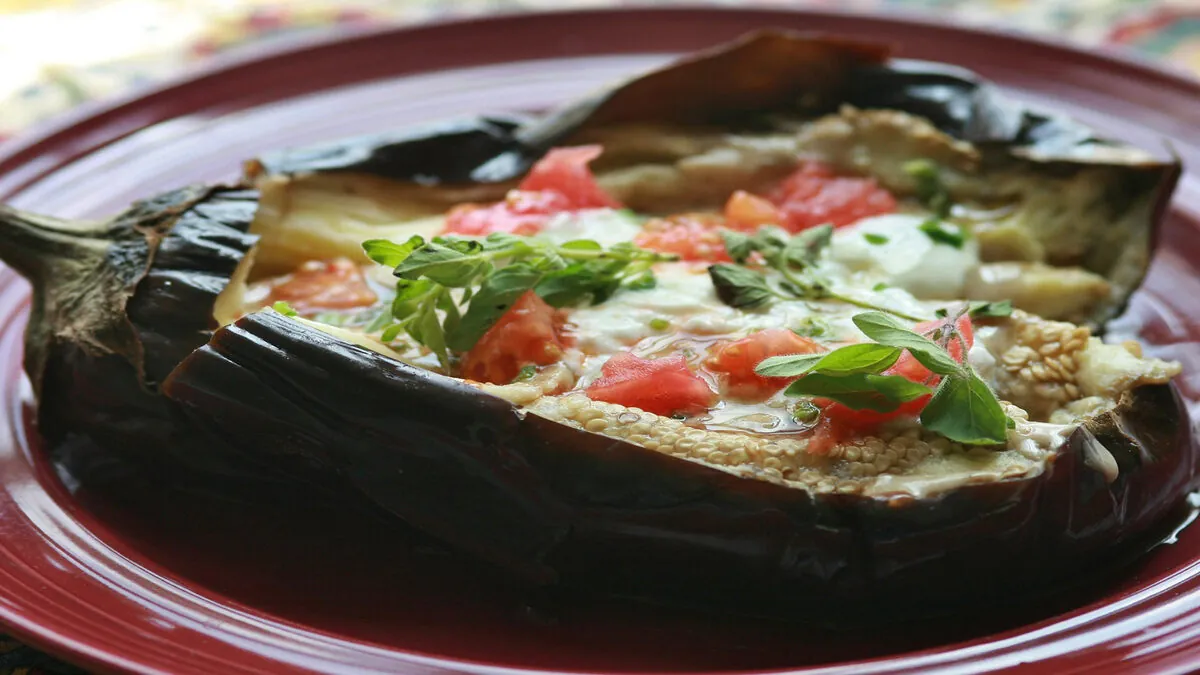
{"x": 541, "y": 499}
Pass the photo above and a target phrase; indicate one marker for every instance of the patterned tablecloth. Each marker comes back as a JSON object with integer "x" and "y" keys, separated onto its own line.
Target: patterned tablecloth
{"x": 55, "y": 54}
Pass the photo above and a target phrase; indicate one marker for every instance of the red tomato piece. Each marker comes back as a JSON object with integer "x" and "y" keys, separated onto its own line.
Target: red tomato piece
{"x": 745, "y": 211}
{"x": 529, "y": 333}
{"x": 736, "y": 361}
{"x": 831, "y": 431}
{"x": 694, "y": 236}
{"x": 324, "y": 285}
{"x": 845, "y": 422}
{"x": 523, "y": 213}
{"x": 560, "y": 182}
{"x": 814, "y": 195}
{"x": 662, "y": 386}
{"x": 565, "y": 171}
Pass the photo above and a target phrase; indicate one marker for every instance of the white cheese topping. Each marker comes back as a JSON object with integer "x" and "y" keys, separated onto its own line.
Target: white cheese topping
{"x": 892, "y": 249}
{"x": 603, "y": 226}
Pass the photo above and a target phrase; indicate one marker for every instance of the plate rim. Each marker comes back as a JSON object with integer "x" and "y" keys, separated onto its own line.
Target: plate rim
{"x": 22, "y": 150}
{"x": 25, "y": 142}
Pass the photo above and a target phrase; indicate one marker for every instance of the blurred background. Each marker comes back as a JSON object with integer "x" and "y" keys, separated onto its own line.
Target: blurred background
{"x": 56, "y": 54}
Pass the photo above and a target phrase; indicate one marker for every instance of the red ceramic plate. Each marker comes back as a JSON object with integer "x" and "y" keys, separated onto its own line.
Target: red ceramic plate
{"x": 119, "y": 574}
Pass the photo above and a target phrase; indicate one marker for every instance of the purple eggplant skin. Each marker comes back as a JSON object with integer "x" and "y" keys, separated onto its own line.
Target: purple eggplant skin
{"x": 416, "y": 155}
{"x": 558, "y": 506}
{"x": 116, "y": 306}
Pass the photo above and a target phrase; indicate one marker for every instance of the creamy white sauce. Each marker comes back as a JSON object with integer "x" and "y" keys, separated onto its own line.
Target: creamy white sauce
{"x": 1098, "y": 458}
{"x": 1035, "y": 440}
{"x": 900, "y": 275}
{"x": 903, "y": 256}
{"x": 603, "y": 226}
{"x": 981, "y": 358}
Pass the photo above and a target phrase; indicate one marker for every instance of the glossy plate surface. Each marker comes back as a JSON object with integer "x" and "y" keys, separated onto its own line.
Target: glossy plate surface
{"x": 120, "y": 574}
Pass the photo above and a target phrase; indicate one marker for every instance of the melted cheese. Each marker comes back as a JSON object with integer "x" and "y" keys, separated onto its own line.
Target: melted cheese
{"x": 905, "y": 257}
{"x": 603, "y": 226}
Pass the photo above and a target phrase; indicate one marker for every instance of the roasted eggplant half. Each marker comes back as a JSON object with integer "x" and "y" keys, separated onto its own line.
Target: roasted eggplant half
{"x": 787, "y": 328}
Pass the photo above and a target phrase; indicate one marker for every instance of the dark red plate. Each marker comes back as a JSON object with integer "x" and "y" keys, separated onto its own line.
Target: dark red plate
{"x": 119, "y": 573}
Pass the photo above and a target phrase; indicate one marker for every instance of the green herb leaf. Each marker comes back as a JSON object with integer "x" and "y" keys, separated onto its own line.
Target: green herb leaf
{"x": 659, "y": 324}
{"x": 943, "y": 233}
{"x": 593, "y": 280}
{"x": 284, "y": 308}
{"x": 811, "y": 327}
{"x": 804, "y": 249}
{"x": 876, "y": 239}
{"x": 885, "y": 330}
{"x": 526, "y": 372}
{"x": 930, "y": 189}
{"x": 582, "y": 245}
{"x": 805, "y": 412}
{"x": 390, "y": 254}
{"x": 791, "y": 365}
{"x": 449, "y": 262}
{"x": 740, "y": 287}
{"x": 881, "y": 393}
{"x": 409, "y": 296}
{"x": 392, "y": 332}
{"x": 738, "y": 245}
{"x": 864, "y": 357}
{"x": 880, "y": 287}
{"x": 427, "y": 330}
{"x": 964, "y": 409}
{"x": 991, "y": 309}
{"x": 642, "y": 282}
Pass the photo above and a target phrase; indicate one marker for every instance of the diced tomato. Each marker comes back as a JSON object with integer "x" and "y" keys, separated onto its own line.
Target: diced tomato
{"x": 832, "y": 430}
{"x": 736, "y": 361}
{"x": 814, "y": 195}
{"x": 662, "y": 386}
{"x": 694, "y": 236}
{"x": 842, "y": 422}
{"x": 745, "y": 211}
{"x": 565, "y": 172}
{"x": 523, "y": 213}
{"x": 324, "y": 285}
{"x": 560, "y": 182}
{"x": 529, "y": 333}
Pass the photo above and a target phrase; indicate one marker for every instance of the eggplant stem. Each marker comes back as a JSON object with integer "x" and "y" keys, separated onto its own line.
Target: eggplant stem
{"x": 30, "y": 243}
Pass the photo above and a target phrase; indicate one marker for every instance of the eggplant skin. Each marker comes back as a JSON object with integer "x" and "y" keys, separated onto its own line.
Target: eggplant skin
{"x": 417, "y": 155}
{"x": 559, "y": 506}
{"x": 117, "y": 305}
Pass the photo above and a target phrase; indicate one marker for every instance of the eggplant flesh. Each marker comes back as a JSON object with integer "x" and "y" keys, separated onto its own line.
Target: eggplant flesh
{"x": 555, "y": 504}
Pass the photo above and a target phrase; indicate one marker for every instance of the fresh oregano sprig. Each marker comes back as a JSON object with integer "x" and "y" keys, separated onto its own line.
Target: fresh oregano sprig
{"x": 963, "y": 408}
{"x": 794, "y": 257}
{"x": 451, "y": 290}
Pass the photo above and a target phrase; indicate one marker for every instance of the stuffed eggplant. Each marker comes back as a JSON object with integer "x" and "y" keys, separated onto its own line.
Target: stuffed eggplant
{"x": 783, "y": 325}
